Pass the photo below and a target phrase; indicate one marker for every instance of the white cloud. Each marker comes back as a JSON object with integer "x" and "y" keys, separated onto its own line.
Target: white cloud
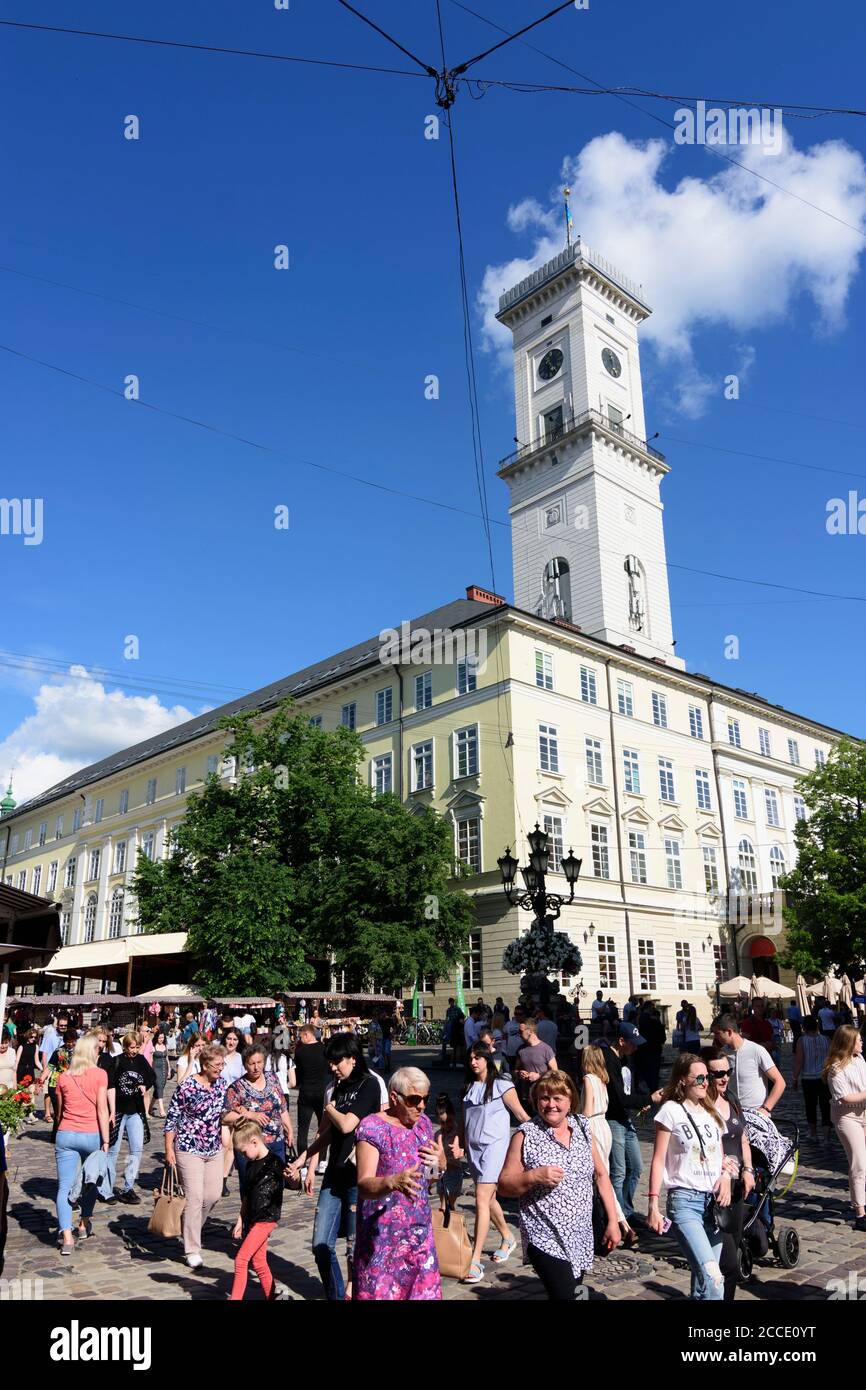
{"x": 76, "y": 722}
{"x": 728, "y": 250}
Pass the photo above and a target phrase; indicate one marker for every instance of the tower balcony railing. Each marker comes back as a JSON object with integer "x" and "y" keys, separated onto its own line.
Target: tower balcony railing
{"x": 573, "y": 425}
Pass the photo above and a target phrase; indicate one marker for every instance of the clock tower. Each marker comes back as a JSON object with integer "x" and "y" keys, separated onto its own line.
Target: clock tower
{"x": 586, "y": 512}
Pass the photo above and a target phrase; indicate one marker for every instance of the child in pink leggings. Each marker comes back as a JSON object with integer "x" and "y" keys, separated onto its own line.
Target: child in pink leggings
{"x": 260, "y": 1208}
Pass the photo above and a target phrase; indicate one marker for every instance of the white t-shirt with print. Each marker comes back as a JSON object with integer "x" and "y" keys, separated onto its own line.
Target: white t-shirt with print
{"x": 685, "y": 1164}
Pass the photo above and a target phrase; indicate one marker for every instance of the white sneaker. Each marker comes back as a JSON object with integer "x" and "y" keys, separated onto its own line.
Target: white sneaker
{"x": 194, "y": 1261}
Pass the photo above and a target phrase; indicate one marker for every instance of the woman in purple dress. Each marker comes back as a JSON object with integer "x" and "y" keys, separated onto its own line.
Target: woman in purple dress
{"x": 395, "y": 1255}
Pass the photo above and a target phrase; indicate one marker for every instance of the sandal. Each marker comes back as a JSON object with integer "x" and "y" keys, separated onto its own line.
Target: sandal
{"x": 630, "y": 1241}
{"x": 476, "y": 1273}
{"x": 504, "y": 1252}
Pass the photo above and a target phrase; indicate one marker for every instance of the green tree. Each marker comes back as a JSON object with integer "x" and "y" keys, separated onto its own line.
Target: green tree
{"x": 299, "y": 861}
{"x": 825, "y": 914}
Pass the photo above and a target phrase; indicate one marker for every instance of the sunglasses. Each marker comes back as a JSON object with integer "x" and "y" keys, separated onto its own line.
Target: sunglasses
{"x": 721, "y": 1075}
{"x": 414, "y": 1101}
{"x": 698, "y": 1080}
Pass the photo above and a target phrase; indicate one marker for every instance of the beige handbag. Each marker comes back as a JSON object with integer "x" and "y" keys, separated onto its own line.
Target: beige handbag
{"x": 453, "y": 1246}
{"x": 168, "y": 1206}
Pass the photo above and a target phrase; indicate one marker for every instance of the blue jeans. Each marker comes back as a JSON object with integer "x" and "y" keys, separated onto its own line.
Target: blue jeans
{"x": 133, "y": 1127}
{"x": 70, "y": 1150}
{"x": 335, "y": 1215}
{"x": 242, "y": 1163}
{"x": 699, "y": 1239}
{"x": 625, "y": 1164}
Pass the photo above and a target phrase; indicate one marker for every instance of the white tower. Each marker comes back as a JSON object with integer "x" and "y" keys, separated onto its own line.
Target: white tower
{"x": 586, "y": 515}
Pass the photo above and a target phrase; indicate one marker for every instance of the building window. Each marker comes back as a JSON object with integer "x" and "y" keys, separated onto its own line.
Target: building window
{"x": 349, "y": 715}
{"x": 734, "y": 733}
{"x": 554, "y": 827}
{"x": 315, "y": 721}
{"x": 100, "y": 810}
{"x": 90, "y": 918}
{"x": 799, "y": 808}
{"x": 544, "y": 670}
{"x": 637, "y": 854}
{"x": 764, "y": 742}
{"x": 600, "y": 854}
{"x": 22, "y": 879}
{"x": 720, "y": 957}
{"x": 384, "y": 705}
{"x": 794, "y": 751}
{"x": 702, "y": 789}
{"x": 37, "y": 880}
{"x": 13, "y": 845}
{"x": 466, "y": 751}
{"x": 424, "y": 690}
{"x": 120, "y": 857}
{"x": 150, "y": 795}
{"x": 180, "y": 781}
{"x": 43, "y": 828}
{"x": 696, "y": 722}
{"x": 646, "y": 965}
{"x": 772, "y": 803}
{"x": 711, "y": 871}
{"x": 684, "y": 965}
{"x": 58, "y": 828}
{"x": 748, "y": 867}
{"x": 588, "y": 687}
{"x": 28, "y": 838}
{"x": 469, "y": 843}
{"x": 631, "y": 770}
{"x": 52, "y": 877}
{"x": 820, "y": 760}
{"x": 777, "y": 866}
{"x": 467, "y": 676}
{"x": 213, "y": 765}
{"x": 77, "y": 817}
{"x": 660, "y": 710}
{"x": 115, "y": 913}
{"x": 594, "y": 766}
{"x": 422, "y": 766}
{"x": 123, "y": 802}
{"x": 69, "y": 876}
{"x": 741, "y": 805}
{"x": 472, "y": 962}
{"x": 147, "y": 845}
{"x": 548, "y": 748}
{"x": 65, "y": 918}
{"x": 93, "y": 864}
{"x": 667, "y": 787}
{"x": 673, "y": 863}
{"x": 625, "y": 698}
{"x": 382, "y": 779}
{"x": 607, "y": 962}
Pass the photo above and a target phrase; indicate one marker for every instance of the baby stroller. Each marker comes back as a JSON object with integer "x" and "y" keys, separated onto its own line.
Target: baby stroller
{"x": 760, "y": 1234}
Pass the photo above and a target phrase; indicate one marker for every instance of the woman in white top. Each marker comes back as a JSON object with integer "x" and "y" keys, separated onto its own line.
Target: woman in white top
{"x": 845, "y": 1074}
{"x": 688, "y": 1157}
{"x": 188, "y": 1063}
{"x": 593, "y": 1107}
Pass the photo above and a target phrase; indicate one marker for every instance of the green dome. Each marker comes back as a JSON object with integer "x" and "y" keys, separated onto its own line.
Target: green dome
{"x": 8, "y": 803}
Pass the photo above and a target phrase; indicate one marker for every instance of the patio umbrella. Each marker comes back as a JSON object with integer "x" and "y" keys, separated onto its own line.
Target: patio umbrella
{"x": 828, "y": 988}
{"x": 802, "y": 1001}
{"x": 846, "y": 992}
{"x": 740, "y": 984}
{"x": 764, "y": 988}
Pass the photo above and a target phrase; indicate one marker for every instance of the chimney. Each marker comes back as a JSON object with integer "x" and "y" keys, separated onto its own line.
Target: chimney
{"x": 478, "y": 595}
{"x": 563, "y": 622}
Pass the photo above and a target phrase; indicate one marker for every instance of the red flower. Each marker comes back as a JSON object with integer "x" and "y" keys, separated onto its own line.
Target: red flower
{"x": 26, "y": 1080}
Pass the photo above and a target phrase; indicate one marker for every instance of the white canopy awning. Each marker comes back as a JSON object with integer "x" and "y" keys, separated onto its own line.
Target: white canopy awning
{"x": 97, "y": 955}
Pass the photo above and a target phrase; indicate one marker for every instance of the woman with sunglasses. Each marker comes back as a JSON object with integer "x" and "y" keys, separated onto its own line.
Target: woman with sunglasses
{"x": 396, "y": 1156}
{"x": 688, "y": 1156}
{"x": 737, "y": 1161}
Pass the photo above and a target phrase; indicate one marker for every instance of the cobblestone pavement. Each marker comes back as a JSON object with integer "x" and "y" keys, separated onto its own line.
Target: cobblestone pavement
{"x": 125, "y": 1262}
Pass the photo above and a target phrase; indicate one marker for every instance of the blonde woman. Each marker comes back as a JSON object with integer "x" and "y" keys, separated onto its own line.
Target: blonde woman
{"x": 688, "y": 1157}
{"x": 593, "y": 1107}
{"x": 81, "y": 1099}
{"x": 845, "y": 1075}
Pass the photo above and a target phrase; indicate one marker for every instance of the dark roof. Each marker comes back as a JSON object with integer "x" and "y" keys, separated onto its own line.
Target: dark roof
{"x": 15, "y": 904}
{"x": 451, "y": 615}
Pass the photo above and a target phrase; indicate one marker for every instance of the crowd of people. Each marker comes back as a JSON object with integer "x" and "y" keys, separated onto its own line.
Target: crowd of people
{"x": 537, "y": 1120}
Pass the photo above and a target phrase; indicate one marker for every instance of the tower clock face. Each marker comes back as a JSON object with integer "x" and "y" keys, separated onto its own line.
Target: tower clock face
{"x": 611, "y": 362}
{"x": 550, "y": 364}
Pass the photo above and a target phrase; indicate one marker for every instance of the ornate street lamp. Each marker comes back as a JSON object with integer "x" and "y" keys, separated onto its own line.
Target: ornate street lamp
{"x": 545, "y": 906}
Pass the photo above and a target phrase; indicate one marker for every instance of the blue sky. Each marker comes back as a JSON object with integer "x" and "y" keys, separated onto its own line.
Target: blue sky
{"x": 156, "y": 528}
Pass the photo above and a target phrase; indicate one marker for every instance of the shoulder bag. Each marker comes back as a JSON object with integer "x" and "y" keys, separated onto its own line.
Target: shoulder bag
{"x": 728, "y": 1219}
{"x": 453, "y": 1246}
{"x": 168, "y": 1206}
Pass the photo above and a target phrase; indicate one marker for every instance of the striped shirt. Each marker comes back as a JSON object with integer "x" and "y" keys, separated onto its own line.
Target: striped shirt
{"x": 814, "y": 1048}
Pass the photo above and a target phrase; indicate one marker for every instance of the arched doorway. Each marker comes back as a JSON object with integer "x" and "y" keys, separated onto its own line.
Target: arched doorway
{"x": 760, "y": 958}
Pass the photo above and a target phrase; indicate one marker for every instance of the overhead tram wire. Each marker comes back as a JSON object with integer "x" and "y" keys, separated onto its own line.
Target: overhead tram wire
{"x": 470, "y": 62}
{"x": 367, "y": 482}
{"x": 793, "y": 109}
{"x": 431, "y": 72}
{"x": 713, "y": 149}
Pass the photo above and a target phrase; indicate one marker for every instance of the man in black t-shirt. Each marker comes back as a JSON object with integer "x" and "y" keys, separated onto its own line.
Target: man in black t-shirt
{"x": 133, "y": 1077}
{"x": 388, "y": 1024}
{"x": 311, "y": 1077}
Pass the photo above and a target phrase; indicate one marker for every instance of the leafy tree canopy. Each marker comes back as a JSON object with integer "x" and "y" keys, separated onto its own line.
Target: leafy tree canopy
{"x": 300, "y": 860}
{"x": 825, "y": 914}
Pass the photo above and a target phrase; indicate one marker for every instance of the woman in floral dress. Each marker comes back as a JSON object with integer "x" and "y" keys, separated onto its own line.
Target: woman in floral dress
{"x": 395, "y": 1254}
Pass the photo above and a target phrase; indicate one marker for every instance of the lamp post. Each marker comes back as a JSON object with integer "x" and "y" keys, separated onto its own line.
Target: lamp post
{"x": 544, "y": 906}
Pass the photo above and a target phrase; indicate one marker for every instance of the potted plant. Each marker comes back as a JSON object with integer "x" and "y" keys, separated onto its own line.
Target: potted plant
{"x": 16, "y": 1104}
